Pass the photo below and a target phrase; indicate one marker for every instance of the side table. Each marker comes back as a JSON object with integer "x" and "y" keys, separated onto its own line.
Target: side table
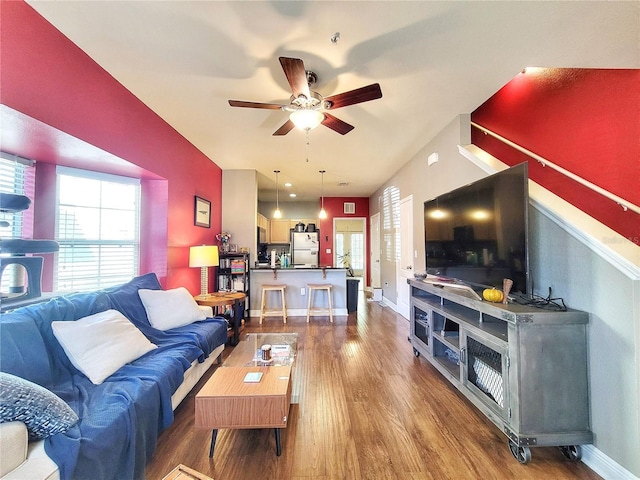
{"x": 222, "y": 299}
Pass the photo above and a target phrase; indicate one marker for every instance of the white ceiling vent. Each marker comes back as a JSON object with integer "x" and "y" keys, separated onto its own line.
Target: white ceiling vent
{"x": 349, "y": 207}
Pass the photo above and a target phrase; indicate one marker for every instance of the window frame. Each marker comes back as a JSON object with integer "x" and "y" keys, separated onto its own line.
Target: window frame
{"x": 100, "y": 247}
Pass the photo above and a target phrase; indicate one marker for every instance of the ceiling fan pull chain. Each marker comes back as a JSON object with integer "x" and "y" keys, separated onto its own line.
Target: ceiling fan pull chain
{"x": 307, "y": 146}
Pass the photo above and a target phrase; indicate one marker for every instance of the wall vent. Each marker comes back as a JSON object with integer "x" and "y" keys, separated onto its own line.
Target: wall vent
{"x": 349, "y": 207}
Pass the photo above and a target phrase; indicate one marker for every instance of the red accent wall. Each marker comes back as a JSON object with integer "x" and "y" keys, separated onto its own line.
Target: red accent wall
{"x": 58, "y": 87}
{"x": 584, "y": 120}
{"x": 334, "y": 206}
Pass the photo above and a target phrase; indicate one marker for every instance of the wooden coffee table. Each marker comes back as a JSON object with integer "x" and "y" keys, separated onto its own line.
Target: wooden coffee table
{"x": 227, "y": 401}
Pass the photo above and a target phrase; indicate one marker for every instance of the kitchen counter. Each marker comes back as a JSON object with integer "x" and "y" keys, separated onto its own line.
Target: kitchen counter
{"x": 267, "y": 267}
{"x": 296, "y": 280}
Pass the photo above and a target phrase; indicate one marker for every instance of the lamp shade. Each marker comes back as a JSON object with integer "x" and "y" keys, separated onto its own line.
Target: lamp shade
{"x": 306, "y": 119}
{"x": 203, "y": 256}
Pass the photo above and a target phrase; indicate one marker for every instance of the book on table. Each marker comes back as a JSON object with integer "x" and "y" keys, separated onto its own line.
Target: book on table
{"x": 280, "y": 350}
{"x": 253, "y": 377}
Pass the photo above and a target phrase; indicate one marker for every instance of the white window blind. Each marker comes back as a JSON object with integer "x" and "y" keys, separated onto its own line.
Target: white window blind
{"x": 357, "y": 251}
{"x": 339, "y": 248}
{"x": 16, "y": 176}
{"x": 97, "y": 229}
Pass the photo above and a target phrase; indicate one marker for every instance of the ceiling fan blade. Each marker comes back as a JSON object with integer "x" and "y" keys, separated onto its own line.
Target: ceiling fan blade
{"x": 296, "y": 75}
{"x": 336, "y": 124}
{"x": 285, "y": 128}
{"x": 269, "y": 106}
{"x": 359, "y": 95}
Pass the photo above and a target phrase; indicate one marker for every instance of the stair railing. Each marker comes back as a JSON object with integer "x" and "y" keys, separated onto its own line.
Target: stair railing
{"x": 625, "y": 204}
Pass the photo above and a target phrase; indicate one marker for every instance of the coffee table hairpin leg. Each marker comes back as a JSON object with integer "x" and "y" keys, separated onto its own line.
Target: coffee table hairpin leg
{"x": 214, "y": 435}
{"x": 278, "y": 447}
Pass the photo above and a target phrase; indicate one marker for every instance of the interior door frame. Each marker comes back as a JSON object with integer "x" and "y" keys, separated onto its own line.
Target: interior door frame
{"x": 406, "y": 256}
{"x": 375, "y": 254}
{"x": 364, "y": 256}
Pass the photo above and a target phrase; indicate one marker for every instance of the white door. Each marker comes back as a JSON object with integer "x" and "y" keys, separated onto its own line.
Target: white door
{"x": 374, "y": 255}
{"x": 404, "y": 265}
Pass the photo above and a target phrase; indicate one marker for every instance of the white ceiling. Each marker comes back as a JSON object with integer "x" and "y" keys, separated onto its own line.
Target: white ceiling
{"x": 433, "y": 60}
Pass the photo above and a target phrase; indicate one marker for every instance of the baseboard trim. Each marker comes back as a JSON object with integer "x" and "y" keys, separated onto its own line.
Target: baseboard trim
{"x": 604, "y": 466}
{"x": 387, "y": 303}
{"x": 298, "y": 312}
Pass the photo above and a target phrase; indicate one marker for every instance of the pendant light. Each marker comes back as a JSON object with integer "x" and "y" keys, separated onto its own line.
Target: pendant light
{"x": 323, "y": 213}
{"x": 277, "y": 213}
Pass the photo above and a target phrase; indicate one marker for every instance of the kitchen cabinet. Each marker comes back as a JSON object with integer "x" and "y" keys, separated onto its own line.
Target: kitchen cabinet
{"x": 279, "y": 231}
{"x": 307, "y": 221}
{"x": 263, "y": 222}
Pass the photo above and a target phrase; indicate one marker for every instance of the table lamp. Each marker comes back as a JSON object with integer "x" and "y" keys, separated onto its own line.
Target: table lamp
{"x": 203, "y": 256}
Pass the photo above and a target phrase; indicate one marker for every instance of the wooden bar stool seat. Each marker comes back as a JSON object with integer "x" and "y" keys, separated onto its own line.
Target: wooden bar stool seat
{"x": 268, "y": 311}
{"x": 312, "y": 308}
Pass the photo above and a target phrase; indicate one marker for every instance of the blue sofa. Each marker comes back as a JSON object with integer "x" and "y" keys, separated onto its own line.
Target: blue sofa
{"x": 119, "y": 419}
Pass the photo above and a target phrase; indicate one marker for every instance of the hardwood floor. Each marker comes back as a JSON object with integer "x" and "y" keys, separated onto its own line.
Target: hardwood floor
{"x": 367, "y": 409}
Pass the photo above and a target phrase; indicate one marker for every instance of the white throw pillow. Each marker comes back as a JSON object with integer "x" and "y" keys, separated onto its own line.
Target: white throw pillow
{"x": 100, "y": 344}
{"x": 168, "y": 309}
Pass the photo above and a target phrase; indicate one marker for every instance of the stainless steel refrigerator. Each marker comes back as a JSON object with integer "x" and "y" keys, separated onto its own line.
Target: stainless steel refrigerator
{"x": 305, "y": 248}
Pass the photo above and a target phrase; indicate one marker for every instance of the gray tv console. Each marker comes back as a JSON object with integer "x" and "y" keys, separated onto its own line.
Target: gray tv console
{"x": 523, "y": 367}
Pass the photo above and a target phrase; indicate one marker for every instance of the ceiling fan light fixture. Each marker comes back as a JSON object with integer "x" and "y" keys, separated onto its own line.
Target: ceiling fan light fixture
{"x": 306, "y": 105}
{"x": 306, "y": 119}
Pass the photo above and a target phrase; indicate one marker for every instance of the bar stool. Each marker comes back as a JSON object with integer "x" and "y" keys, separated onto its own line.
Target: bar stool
{"x": 315, "y": 287}
{"x": 273, "y": 311}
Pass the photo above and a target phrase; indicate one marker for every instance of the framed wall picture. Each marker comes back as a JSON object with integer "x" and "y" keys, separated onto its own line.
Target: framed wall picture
{"x": 202, "y": 212}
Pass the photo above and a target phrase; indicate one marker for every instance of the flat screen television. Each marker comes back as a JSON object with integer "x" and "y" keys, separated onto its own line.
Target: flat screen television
{"x": 478, "y": 234}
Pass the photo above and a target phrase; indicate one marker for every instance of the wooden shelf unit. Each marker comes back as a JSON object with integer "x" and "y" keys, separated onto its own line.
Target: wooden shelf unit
{"x": 233, "y": 275}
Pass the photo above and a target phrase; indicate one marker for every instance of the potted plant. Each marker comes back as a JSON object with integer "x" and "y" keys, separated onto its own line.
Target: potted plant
{"x": 345, "y": 260}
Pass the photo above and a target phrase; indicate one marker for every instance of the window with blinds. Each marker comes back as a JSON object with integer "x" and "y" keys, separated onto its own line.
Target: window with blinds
{"x": 16, "y": 176}
{"x": 357, "y": 251}
{"x": 97, "y": 229}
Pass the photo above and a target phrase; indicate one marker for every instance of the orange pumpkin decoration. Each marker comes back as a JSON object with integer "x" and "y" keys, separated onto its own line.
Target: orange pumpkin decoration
{"x": 492, "y": 295}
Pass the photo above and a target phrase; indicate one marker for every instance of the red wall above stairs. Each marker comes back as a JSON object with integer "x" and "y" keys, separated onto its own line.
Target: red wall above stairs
{"x": 584, "y": 120}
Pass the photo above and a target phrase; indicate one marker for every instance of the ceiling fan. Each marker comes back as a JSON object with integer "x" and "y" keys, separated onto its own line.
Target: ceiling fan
{"x": 308, "y": 108}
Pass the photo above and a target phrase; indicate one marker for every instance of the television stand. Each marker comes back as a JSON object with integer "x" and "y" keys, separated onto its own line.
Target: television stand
{"x": 524, "y": 368}
{"x": 454, "y": 287}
